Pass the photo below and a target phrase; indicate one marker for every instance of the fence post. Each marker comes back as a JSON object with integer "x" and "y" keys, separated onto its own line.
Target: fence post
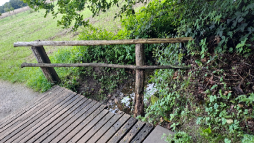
{"x": 42, "y": 57}
{"x": 139, "y": 84}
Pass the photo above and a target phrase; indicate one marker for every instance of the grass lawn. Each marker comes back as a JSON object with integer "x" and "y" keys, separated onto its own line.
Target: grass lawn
{"x": 30, "y": 26}
{"x": 27, "y": 26}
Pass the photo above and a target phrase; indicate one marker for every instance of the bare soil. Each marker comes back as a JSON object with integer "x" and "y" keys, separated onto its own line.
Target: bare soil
{"x": 13, "y": 97}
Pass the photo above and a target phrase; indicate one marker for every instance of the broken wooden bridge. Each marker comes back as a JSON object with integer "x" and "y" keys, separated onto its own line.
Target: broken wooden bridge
{"x": 61, "y": 115}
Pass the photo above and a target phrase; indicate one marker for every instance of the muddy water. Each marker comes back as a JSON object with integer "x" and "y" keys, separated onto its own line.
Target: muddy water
{"x": 124, "y": 100}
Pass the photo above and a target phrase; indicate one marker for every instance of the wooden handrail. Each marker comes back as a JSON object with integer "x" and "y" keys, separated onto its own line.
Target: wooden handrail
{"x": 45, "y": 65}
{"x": 103, "y": 42}
{"x": 50, "y": 73}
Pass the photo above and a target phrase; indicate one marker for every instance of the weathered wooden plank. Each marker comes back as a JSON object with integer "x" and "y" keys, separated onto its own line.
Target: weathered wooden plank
{"x": 114, "y": 128}
{"x": 44, "y": 65}
{"x": 121, "y": 133}
{"x": 96, "y": 127}
{"x": 42, "y": 57}
{"x": 144, "y": 132}
{"x": 48, "y": 102}
{"x": 104, "y": 128}
{"x": 49, "y": 129}
{"x": 82, "y": 124}
{"x": 53, "y": 120}
{"x": 33, "y": 121}
{"x": 60, "y": 134}
{"x": 57, "y": 129}
{"x": 131, "y": 134}
{"x": 29, "y": 107}
{"x": 103, "y": 42}
{"x": 86, "y": 128}
{"x": 139, "y": 82}
{"x": 156, "y": 135}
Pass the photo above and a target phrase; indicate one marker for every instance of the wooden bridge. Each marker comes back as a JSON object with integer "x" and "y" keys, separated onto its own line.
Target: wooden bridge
{"x": 61, "y": 115}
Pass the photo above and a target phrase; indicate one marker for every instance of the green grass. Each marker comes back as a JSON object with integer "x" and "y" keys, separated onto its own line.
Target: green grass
{"x": 30, "y": 26}
{"x": 26, "y": 26}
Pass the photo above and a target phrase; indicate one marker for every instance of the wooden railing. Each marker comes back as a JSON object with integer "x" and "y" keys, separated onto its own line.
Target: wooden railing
{"x": 51, "y": 75}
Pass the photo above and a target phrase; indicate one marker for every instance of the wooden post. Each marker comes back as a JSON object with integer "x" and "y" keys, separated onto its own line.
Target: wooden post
{"x": 42, "y": 57}
{"x": 139, "y": 84}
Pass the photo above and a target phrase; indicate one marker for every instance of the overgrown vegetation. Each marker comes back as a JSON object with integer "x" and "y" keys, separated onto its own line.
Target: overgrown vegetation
{"x": 213, "y": 101}
{"x": 217, "y": 93}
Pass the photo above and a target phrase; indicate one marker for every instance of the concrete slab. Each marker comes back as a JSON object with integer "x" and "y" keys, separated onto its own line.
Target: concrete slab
{"x": 156, "y": 134}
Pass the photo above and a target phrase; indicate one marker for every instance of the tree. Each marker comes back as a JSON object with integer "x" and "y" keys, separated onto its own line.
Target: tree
{"x": 70, "y": 9}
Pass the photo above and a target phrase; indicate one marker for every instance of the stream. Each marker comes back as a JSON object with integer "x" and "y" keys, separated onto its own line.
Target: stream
{"x": 123, "y": 100}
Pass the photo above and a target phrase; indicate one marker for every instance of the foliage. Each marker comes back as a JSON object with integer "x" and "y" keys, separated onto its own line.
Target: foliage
{"x": 248, "y": 138}
{"x": 11, "y": 5}
{"x": 179, "y": 137}
{"x": 221, "y": 29}
{"x": 70, "y": 9}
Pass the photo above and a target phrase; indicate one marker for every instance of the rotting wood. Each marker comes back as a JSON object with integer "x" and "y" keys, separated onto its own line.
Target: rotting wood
{"x": 139, "y": 83}
{"x": 103, "y": 42}
{"x": 41, "y": 56}
{"x": 44, "y": 65}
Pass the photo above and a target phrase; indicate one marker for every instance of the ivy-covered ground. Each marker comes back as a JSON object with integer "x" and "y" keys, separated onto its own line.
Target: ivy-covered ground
{"x": 211, "y": 102}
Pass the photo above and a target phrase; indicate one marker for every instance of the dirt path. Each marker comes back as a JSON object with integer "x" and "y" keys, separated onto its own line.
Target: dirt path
{"x": 13, "y": 97}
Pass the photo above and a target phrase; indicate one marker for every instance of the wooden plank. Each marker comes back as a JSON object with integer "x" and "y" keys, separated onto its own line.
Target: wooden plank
{"x": 60, "y": 133}
{"x": 33, "y": 115}
{"x": 57, "y": 123}
{"x": 45, "y": 65}
{"x": 103, "y": 42}
{"x": 53, "y": 132}
{"x": 86, "y": 128}
{"x": 60, "y": 96}
{"x": 121, "y": 133}
{"x": 33, "y": 121}
{"x": 96, "y": 127}
{"x": 114, "y": 128}
{"x": 42, "y": 57}
{"x": 82, "y": 124}
{"x": 105, "y": 128}
{"x": 156, "y": 135}
{"x": 134, "y": 130}
{"x": 29, "y": 107}
{"x": 139, "y": 82}
{"x": 144, "y": 132}
{"x": 50, "y": 120}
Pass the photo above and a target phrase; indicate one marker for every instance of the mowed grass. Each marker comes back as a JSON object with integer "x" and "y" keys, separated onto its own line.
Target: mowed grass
{"x": 30, "y": 26}
{"x": 27, "y": 26}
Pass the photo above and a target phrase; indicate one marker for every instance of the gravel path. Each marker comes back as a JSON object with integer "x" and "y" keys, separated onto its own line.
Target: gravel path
{"x": 13, "y": 97}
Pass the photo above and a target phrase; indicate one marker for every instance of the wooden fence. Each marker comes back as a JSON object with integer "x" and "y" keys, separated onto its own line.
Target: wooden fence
{"x": 50, "y": 73}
